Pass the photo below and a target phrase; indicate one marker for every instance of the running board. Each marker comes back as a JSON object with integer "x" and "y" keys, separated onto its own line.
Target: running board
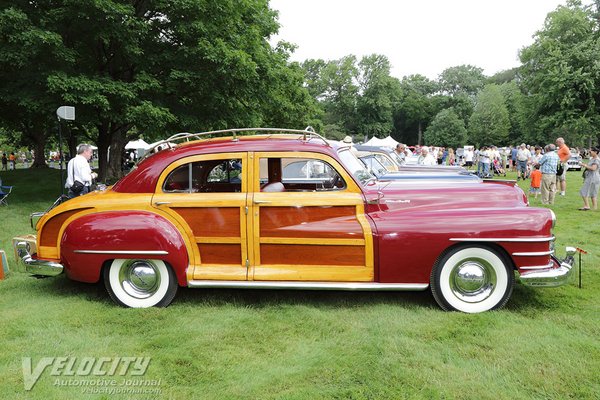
{"x": 371, "y": 286}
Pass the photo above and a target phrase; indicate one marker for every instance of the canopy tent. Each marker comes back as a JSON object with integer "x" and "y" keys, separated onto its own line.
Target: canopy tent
{"x": 137, "y": 144}
{"x": 387, "y": 142}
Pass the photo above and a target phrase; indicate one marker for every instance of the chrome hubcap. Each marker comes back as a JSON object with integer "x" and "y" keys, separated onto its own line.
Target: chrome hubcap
{"x": 473, "y": 280}
{"x": 139, "y": 278}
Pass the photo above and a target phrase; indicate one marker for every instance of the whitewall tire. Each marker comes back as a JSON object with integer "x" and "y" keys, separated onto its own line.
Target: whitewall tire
{"x": 472, "y": 279}
{"x": 140, "y": 283}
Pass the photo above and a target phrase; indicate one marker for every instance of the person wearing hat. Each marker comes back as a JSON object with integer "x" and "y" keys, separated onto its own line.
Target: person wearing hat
{"x": 591, "y": 184}
{"x": 347, "y": 140}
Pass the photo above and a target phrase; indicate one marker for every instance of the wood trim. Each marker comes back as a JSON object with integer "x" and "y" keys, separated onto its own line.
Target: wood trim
{"x": 218, "y": 240}
{"x": 313, "y": 241}
{"x": 341, "y": 273}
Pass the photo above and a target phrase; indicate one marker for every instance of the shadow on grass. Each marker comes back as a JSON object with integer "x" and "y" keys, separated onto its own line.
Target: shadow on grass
{"x": 524, "y": 300}
{"x": 248, "y": 298}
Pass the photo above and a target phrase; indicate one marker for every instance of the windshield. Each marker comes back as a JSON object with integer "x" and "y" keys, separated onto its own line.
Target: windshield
{"x": 355, "y": 166}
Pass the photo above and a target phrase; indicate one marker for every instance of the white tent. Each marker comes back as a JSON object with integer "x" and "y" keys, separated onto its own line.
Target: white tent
{"x": 137, "y": 144}
{"x": 387, "y": 142}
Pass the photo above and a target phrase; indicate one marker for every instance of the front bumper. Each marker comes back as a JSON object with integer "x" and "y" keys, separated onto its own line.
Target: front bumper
{"x": 553, "y": 275}
{"x": 35, "y": 266}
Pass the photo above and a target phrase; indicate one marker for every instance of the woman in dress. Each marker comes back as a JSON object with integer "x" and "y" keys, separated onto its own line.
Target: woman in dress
{"x": 591, "y": 184}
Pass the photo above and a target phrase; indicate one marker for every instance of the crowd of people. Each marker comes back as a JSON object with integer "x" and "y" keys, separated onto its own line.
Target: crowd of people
{"x": 546, "y": 168}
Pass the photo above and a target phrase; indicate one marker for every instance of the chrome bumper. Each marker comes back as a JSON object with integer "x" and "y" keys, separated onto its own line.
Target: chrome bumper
{"x": 551, "y": 276}
{"x": 35, "y": 266}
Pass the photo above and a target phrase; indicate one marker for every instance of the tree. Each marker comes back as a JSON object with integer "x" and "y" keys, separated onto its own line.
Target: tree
{"x": 466, "y": 79}
{"x": 516, "y": 106}
{"x": 146, "y": 67}
{"x": 489, "y": 124}
{"x": 29, "y": 53}
{"x": 378, "y": 94}
{"x": 415, "y": 108}
{"x": 561, "y": 74}
{"x": 447, "y": 129}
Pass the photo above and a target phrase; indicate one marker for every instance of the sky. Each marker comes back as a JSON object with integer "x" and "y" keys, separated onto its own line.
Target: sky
{"x": 418, "y": 37}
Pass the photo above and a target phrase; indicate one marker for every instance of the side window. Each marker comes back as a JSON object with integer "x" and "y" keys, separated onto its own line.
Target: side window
{"x": 178, "y": 180}
{"x": 298, "y": 174}
{"x": 210, "y": 176}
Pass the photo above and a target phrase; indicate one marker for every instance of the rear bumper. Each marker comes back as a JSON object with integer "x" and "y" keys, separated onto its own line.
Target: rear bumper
{"x": 557, "y": 273}
{"x": 35, "y": 266}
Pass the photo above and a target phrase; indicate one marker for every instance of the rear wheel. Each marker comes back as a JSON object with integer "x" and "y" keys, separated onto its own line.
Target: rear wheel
{"x": 472, "y": 279}
{"x": 140, "y": 283}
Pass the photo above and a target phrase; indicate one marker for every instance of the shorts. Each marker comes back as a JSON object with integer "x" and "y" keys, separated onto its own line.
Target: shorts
{"x": 563, "y": 176}
{"x": 534, "y": 190}
{"x": 469, "y": 163}
{"x": 522, "y": 166}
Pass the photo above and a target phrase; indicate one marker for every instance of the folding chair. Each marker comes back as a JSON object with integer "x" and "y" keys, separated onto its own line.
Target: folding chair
{"x": 4, "y": 192}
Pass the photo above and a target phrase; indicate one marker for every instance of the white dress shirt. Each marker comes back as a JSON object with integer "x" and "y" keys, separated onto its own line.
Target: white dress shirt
{"x": 78, "y": 169}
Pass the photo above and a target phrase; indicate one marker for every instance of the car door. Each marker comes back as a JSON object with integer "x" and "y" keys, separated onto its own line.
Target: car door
{"x": 307, "y": 220}
{"x": 207, "y": 196}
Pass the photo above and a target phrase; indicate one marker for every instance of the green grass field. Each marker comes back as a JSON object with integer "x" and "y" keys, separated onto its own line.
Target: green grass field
{"x": 230, "y": 344}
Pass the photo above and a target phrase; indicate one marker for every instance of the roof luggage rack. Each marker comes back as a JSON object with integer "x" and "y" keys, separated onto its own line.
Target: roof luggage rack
{"x": 307, "y": 134}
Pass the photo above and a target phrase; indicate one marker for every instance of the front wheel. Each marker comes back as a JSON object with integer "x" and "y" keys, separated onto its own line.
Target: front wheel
{"x": 472, "y": 279}
{"x": 140, "y": 283}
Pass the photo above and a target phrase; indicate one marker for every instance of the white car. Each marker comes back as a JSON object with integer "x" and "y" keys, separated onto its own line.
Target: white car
{"x": 573, "y": 162}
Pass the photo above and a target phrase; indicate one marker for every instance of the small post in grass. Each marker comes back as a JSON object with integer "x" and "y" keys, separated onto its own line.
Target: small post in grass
{"x": 580, "y": 251}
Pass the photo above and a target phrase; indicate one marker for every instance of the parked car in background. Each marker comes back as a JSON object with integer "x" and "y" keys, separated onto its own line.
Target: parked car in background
{"x": 287, "y": 210}
{"x": 573, "y": 162}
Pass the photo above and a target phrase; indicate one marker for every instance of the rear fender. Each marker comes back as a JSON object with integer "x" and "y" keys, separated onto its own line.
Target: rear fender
{"x": 92, "y": 240}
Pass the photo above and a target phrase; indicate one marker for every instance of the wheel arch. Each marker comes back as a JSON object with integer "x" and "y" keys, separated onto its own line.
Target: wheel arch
{"x": 94, "y": 240}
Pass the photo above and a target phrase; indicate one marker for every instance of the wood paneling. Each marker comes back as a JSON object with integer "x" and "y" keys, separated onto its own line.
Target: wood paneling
{"x": 230, "y": 254}
{"x": 313, "y": 221}
{"x": 312, "y": 255}
{"x": 49, "y": 234}
{"x": 212, "y": 221}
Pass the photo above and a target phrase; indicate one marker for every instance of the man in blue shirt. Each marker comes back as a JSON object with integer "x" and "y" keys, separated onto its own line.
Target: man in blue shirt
{"x": 548, "y": 167}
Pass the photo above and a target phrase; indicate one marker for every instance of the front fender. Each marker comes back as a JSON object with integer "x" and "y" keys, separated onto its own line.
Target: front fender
{"x": 91, "y": 240}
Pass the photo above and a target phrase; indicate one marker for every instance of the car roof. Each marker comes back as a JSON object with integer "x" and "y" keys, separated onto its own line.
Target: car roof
{"x": 143, "y": 178}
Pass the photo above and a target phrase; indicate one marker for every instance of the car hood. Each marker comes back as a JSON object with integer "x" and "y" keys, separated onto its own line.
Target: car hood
{"x": 445, "y": 194}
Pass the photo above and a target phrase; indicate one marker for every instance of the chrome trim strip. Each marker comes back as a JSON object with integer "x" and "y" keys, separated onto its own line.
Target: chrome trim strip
{"x": 307, "y": 285}
{"x": 549, "y": 265}
{"x": 522, "y": 240}
{"x": 130, "y": 252}
{"x": 533, "y": 253}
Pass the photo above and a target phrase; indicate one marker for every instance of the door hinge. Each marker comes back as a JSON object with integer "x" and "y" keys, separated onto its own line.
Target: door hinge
{"x": 246, "y": 210}
{"x": 247, "y": 263}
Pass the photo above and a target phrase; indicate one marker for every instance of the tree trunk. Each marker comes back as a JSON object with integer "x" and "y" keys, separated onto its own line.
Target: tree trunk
{"x": 103, "y": 142}
{"x": 38, "y": 138}
{"x": 39, "y": 160}
{"x": 420, "y": 137}
{"x": 115, "y": 160}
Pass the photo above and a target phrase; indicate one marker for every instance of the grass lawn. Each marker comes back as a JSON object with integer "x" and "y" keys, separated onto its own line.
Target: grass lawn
{"x": 229, "y": 344}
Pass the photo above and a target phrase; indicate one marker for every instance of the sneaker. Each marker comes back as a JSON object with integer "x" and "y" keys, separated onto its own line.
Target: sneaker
{"x": 562, "y": 193}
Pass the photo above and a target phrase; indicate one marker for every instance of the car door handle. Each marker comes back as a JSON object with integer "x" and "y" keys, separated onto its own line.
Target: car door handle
{"x": 261, "y": 202}
{"x": 162, "y": 203}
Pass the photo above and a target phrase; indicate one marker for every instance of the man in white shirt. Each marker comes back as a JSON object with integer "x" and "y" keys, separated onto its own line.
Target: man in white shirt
{"x": 79, "y": 170}
{"x": 468, "y": 154}
{"x": 425, "y": 158}
{"x": 523, "y": 156}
